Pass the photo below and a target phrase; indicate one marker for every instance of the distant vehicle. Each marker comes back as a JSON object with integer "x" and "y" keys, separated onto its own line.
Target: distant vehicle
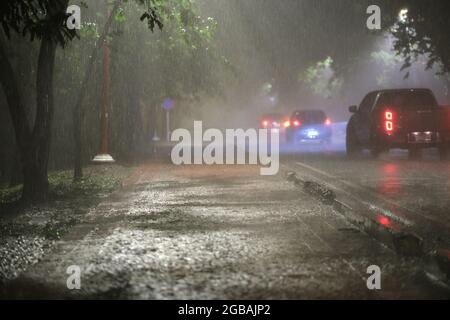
{"x": 274, "y": 121}
{"x": 308, "y": 126}
{"x": 404, "y": 118}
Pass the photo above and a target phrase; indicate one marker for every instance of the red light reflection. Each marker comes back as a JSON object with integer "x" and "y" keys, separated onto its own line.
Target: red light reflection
{"x": 391, "y": 184}
{"x": 384, "y": 221}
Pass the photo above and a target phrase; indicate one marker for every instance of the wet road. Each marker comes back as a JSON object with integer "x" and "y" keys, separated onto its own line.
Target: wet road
{"x": 414, "y": 193}
{"x": 219, "y": 232}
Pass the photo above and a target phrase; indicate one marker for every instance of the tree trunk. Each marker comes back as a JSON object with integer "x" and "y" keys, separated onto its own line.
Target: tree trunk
{"x": 15, "y": 103}
{"x": 16, "y": 107}
{"x": 34, "y": 146}
{"x": 16, "y": 177}
{"x": 78, "y": 108}
{"x": 35, "y": 159}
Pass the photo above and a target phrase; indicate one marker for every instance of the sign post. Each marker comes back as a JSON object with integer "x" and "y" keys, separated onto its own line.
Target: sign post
{"x": 168, "y": 125}
{"x": 168, "y": 105}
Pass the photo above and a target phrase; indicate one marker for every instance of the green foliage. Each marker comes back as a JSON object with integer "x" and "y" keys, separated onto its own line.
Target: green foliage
{"x": 12, "y": 194}
{"x": 46, "y": 18}
{"x": 315, "y": 71}
{"x": 180, "y": 61}
{"x": 423, "y": 32}
{"x": 182, "y": 53}
{"x": 151, "y": 14}
{"x": 320, "y": 78}
{"x": 37, "y": 19}
{"x": 120, "y": 16}
{"x": 89, "y": 31}
{"x": 63, "y": 187}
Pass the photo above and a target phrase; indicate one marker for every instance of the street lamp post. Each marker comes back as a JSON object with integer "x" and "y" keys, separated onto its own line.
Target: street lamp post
{"x": 103, "y": 155}
{"x": 168, "y": 104}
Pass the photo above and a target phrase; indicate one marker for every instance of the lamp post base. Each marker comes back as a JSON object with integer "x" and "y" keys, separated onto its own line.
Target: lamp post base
{"x": 103, "y": 158}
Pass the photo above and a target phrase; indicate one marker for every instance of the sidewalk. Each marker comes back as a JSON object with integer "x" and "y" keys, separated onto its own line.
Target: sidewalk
{"x": 217, "y": 232}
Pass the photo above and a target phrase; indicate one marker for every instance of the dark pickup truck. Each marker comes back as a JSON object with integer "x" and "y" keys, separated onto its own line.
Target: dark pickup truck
{"x": 404, "y": 118}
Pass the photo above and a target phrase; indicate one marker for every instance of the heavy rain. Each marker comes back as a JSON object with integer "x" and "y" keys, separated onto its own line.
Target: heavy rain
{"x": 224, "y": 149}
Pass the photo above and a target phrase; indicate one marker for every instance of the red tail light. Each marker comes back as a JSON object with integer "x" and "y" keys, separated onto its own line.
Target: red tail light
{"x": 265, "y": 123}
{"x": 297, "y": 123}
{"x": 389, "y": 121}
{"x": 328, "y": 122}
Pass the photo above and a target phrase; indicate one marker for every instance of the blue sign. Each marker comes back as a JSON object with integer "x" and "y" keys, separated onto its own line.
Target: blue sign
{"x": 168, "y": 104}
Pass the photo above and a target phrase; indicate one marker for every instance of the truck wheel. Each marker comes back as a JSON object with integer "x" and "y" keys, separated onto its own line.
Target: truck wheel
{"x": 414, "y": 153}
{"x": 352, "y": 146}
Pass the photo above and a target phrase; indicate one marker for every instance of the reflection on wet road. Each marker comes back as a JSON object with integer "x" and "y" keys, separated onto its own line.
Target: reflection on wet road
{"x": 422, "y": 186}
{"x": 417, "y": 192}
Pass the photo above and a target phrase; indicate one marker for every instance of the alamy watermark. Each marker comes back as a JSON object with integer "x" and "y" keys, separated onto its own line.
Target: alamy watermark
{"x": 261, "y": 146}
{"x": 74, "y": 19}
{"x": 374, "y": 280}
{"x": 73, "y": 281}
{"x": 374, "y": 20}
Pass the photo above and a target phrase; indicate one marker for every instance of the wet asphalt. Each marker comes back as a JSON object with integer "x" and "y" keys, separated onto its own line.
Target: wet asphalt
{"x": 414, "y": 192}
{"x": 220, "y": 232}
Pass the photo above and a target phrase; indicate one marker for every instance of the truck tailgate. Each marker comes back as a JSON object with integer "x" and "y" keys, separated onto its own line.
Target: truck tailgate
{"x": 421, "y": 120}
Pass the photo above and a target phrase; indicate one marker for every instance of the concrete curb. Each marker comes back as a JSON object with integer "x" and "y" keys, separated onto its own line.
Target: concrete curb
{"x": 396, "y": 237}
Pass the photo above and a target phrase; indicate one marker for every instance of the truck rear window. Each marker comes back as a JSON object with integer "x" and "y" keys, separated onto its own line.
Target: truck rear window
{"x": 310, "y": 117}
{"x": 408, "y": 100}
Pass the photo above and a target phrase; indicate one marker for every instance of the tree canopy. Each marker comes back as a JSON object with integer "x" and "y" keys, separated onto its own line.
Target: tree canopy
{"x": 423, "y": 30}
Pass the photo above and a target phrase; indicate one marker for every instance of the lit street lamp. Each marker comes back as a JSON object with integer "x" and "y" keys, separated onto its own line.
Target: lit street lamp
{"x": 403, "y": 15}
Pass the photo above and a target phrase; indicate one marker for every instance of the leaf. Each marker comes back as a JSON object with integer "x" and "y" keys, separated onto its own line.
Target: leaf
{"x": 120, "y": 16}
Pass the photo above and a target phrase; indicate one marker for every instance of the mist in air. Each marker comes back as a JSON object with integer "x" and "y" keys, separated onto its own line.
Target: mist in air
{"x": 293, "y": 55}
